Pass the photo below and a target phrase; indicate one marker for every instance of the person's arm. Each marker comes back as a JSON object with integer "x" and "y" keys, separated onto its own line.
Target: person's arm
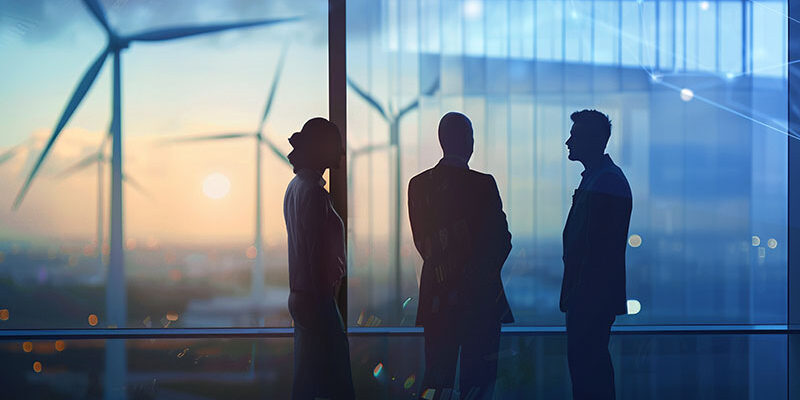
{"x": 417, "y": 222}
{"x": 497, "y": 233}
{"x": 313, "y": 216}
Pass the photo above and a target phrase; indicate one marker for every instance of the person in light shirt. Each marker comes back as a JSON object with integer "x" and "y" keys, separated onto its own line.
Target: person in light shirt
{"x": 316, "y": 267}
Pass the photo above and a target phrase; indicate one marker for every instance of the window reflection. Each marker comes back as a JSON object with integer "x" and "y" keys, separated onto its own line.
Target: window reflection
{"x": 696, "y": 92}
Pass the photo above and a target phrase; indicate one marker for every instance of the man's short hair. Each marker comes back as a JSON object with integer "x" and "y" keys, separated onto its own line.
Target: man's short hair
{"x": 455, "y": 133}
{"x": 594, "y": 123}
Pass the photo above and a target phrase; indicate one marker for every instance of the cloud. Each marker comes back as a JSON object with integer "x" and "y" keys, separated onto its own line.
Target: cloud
{"x": 38, "y": 20}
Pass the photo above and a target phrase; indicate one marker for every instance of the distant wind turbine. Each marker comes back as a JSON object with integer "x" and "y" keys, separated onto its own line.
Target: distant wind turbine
{"x": 115, "y": 284}
{"x": 393, "y": 118}
{"x": 100, "y": 159}
{"x": 14, "y": 150}
{"x": 257, "y": 284}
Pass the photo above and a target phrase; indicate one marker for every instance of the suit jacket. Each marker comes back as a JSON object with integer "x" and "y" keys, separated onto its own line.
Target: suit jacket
{"x": 460, "y": 230}
{"x": 595, "y": 238}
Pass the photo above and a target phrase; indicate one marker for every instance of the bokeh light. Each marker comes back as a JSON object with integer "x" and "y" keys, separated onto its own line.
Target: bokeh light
{"x": 635, "y": 240}
{"x": 377, "y": 370}
{"x": 92, "y": 319}
{"x": 60, "y": 345}
{"x": 772, "y": 243}
{"x": 27, "y": 347}
{"x": 216, "y": 186}
{"x": 175, "y": 274}
{"x": 251, "y": 252}
{"x": 756, "y": 241}
{"x": 409, "y": 381}
{"x": 405, "y": 303}
{"x": 473, "y": 9}
{"x": 428, "y": 394}
{"x": 172, "y": 316}
{"x": 37, "y": 367}
{"x": 634, "y": 306}
{"x": 4, "y": 314}
{"x": 704, "y": 5}
{"x": 687, "y": 94}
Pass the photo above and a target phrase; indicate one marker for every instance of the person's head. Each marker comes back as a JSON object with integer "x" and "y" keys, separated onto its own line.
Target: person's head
{"x": 455, "y": 135}
{"x": 589, "y": 135}
{"x": 317, "y": 146}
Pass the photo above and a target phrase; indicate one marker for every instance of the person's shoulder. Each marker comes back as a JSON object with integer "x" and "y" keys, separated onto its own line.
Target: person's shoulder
{"x": 612, "y": 182}
{"x": 481, "y": 177}
{"x": 418, "y": 178}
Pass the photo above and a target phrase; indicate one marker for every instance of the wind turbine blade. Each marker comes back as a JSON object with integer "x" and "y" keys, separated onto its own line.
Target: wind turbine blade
{"x": 276, "y": 150}
{"x": 186, "y": 31}
{"x": 136, "y": 185}
{"x": 206, "y": 138}
{"x": 80, "y": 92}
{"x": 274, "y": 86}
{"x": 369, "y": 99}
{"x": 98, "y": 12}
{"x": 85, "y": 162}
{"x": 434, "y": 87}
{"x": 9, "y": 154}
{"x": 414, "y": 104}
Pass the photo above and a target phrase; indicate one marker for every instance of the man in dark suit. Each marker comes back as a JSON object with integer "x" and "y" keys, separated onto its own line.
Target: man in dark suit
{"x": 460, "y": 230}
{"x": 595, "y": 238}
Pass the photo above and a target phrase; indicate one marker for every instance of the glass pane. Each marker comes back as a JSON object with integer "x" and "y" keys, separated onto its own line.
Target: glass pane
{"x": 700, "y": 133}
{"x": 391, "y": 367}
{"x": 193, "y": 255}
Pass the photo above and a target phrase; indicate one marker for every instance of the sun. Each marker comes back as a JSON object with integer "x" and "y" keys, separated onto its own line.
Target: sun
{"x": 216, "y": 186}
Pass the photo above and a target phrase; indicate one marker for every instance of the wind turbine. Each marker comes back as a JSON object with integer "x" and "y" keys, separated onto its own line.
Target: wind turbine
{"x": 100, "y": 159}
{"x": 393, "y": 118}
{"x": 115, "y": 285}
{"x": 257, "y": 283}
{"x": 14, "y": 150}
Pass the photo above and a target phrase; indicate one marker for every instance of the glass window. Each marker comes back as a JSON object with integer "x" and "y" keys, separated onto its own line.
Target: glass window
{"x": 193, "y": 253}
{"x": 702, "y": 142}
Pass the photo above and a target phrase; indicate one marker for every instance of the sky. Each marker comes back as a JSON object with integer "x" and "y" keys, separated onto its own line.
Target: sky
{"x": 205, "y": 85}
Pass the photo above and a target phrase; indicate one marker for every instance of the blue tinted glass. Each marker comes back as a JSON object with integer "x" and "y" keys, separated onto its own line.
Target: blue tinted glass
{"x": 696, "y": 93}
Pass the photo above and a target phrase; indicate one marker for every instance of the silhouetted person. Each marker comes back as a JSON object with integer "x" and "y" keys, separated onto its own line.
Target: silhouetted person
{"x": 316, "y": 266}
{"x": 595, "y": 237}
{"x": 461, "y": 232}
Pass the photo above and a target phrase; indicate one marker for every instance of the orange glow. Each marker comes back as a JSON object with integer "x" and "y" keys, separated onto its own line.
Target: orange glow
{"x": 175, "y": 274}
{"x": 170, "y": 258}
{"x": 4, "y": 314}
{"x": 27, "y": 347}
{"x": 88, "y": 250}
{"x": 251, "y": 252}
{"x": 106, "y": 250}
{"x": 92, "y": 319}
{"x": 37, "y": 367}
{"x": 130, "y": 244}
{"x": 172, "y": 316}
{"x": 60, "y": 345}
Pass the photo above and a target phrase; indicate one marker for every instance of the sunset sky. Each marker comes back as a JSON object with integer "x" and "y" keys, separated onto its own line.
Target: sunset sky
{"x": 213, "y": 84}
